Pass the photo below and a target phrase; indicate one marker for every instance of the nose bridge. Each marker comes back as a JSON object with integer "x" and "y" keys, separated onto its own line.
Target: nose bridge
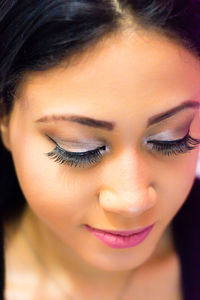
{"x": 128, "y": 188}
{"x": 130, "y": 172}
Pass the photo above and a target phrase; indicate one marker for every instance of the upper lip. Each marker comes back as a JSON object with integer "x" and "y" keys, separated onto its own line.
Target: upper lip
{"x": 122, "y": 232}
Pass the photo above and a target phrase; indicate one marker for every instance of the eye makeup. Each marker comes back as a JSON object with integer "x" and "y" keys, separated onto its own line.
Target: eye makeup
{"x": 89, "y": 151}
{"x": 94, "y": 156}
{"x": 81, "y": 159}
{"x": 175, "y": 147}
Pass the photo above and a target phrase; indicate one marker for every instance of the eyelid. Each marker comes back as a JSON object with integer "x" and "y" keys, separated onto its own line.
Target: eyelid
{"x": 171, "y": 134}
{"x": 52, "y": 139}
{"x": 178, "y": 127}
{"x": 162, "y": 136}
{"x": 95, "y": 146}
{"x": 76, "y": 142}
{"x": 167, "y": 140}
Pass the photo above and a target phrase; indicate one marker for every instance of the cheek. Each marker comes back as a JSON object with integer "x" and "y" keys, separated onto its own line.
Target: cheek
{"x": 51, "y": 190}
{"x": 177, "y": 182}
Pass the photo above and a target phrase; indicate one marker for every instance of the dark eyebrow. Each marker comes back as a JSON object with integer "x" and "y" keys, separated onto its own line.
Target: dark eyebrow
{"x": 169, "y": 113}
{"x": 79, "y": 119}
{"x": 111, "y": 125}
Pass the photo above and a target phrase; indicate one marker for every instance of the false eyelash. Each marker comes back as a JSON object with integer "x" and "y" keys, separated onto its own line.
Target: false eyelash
{"x": 75, "y": 159}
{"x": 176, "y": 147}
{"x": 91, "y": 157}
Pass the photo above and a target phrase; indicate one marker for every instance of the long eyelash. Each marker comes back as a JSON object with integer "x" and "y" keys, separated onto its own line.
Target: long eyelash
{"x": 82, "y": 159}
{"x": 76, "y": 158}
{"x": 181, "y": 146}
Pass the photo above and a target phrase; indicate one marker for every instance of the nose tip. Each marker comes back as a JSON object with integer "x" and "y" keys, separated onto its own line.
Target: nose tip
{"x": 128, "y": 203}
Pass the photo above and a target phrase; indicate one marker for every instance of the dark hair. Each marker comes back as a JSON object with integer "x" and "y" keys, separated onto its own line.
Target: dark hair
{"x": 37, "y": 35}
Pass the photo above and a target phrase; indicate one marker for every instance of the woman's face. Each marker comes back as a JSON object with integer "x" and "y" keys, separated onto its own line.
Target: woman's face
{"x": 127, "y": 82}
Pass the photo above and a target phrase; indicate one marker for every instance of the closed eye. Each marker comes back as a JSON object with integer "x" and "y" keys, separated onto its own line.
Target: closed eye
{"x": 175, "y": 147}
{"x": 81, "y": 159}
{"x": 92, "y": 157}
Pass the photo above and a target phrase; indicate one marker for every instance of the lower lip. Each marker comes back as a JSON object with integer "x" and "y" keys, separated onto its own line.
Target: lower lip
{"x": 118, "y": 241}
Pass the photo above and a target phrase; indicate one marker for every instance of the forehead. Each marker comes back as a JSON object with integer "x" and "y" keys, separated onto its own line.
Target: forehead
{"x": 131, "y": 69}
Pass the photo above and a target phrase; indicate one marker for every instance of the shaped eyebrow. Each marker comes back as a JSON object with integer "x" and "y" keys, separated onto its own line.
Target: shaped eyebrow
{"x": 171, "y": 112}
{"x": 87, "y": 121}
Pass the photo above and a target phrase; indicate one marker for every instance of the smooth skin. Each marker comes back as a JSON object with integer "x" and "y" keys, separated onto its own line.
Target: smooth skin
{"x": 126, "y": 79}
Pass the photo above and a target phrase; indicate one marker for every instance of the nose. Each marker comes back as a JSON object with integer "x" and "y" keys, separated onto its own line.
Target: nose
{"x": 127, "y": 203}
{"x": 128, "y": 190}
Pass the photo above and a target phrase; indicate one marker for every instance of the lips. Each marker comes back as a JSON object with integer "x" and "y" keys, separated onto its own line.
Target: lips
{"x": 121, "y": 238}
{"x": 120, "y": 232}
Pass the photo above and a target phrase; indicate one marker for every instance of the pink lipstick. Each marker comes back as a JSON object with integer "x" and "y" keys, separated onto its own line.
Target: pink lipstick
{"x": 123, "y": 238}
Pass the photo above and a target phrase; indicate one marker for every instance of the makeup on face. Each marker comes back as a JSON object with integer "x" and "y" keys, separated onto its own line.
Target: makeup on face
{"x": 88, "y": 150}
{"x": 121, "y": 239}
{"x": 174, "y": 130}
